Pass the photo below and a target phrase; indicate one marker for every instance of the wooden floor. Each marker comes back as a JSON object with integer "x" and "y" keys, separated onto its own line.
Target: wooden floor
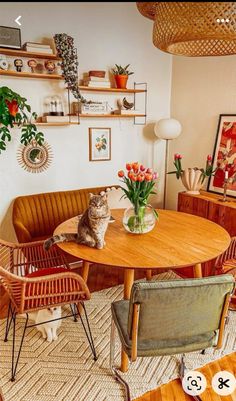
{"x": 173, "y": 391}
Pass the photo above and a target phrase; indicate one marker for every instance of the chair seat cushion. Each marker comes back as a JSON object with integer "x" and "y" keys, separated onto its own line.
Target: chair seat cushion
{"x": 120, "y": 311}
{"x": 47, "y": 272}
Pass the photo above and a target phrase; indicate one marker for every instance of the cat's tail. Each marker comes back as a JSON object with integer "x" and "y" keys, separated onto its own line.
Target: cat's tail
{"x": 58, "y": 238}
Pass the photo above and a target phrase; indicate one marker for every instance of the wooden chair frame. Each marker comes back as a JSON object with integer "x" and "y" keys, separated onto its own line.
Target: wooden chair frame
{"x": 28, "y": 294}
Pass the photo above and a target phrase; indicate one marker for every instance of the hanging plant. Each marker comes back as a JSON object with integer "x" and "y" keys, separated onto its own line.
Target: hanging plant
{"x": 14, "y": 111}
{"x": 68, "y": 53}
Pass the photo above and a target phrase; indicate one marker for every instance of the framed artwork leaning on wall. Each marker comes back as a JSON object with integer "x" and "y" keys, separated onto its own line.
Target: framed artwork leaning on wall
{"x": 224, "y": 156}
{"x": 99, "y": 144}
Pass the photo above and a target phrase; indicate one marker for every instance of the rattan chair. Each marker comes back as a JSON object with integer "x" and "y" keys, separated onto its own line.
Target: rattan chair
{"x": 170, "y": 317}
{"x": 35, "y": 279}
{"x": 226, "y": 264}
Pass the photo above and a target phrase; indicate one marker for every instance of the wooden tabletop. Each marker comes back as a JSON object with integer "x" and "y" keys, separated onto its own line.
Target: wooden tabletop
{"x": 178, "y": 240}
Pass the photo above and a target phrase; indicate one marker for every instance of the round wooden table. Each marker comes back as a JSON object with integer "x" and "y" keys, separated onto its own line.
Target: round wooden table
{"x": 178, "y": 240}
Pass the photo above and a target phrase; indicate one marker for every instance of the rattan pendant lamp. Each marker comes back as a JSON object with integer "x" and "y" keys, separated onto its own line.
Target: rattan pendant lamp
{"x": 193, "y": 28}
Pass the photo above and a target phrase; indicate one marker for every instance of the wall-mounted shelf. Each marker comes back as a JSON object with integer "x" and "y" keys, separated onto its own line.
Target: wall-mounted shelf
{"x": 107, "y": 116}
{"x": 29, "y": 75}
{"x": 23, "y": 53}
{"x": 53, "y": 124}
{"x": 112, "y": 90}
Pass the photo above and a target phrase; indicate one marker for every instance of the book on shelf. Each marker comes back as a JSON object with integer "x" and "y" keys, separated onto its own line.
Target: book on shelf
{"x": 38, "y": 50}
{"x": 35, "y": 44}
{"x": 95, "y": 79}
{"x": 97, "y": 84}
{"x": 125, "y": 111}
{"x": 55, "y": 119}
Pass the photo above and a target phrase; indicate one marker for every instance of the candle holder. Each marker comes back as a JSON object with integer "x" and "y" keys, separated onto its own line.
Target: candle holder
{"x": 225, "y": 187}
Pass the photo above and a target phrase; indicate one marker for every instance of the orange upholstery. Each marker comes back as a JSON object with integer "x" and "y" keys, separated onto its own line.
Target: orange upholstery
{"x": 35, "y": 217}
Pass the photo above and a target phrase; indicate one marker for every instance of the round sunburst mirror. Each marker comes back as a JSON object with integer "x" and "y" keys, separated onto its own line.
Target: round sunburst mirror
{"x": 33, "y": 157}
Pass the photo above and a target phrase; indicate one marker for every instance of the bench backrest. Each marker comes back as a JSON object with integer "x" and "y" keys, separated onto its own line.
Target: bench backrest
{"x": 38, "y": 215}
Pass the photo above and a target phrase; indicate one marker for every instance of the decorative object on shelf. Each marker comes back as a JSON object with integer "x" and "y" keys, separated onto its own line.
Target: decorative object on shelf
{"x": 167, "y": 129}
{"x": 18, "y": 63}
{"x": 127, "y": 105}
{"x": 225, "y": 187}
{"x": 15, "y": 111}
{"x": 3, "y": 62}
{"x": 66, "y": 50}
{"x": 96, "y": 82}
{"x": 121, "y": 75}
{"x": 33, "y": 157}
{"x": 192, "y": 178}
{"x": 99, "y": 144}
{"x": 10, "y": 37}
{"x": 141, "y": 217}
{"x": 224, "y": 158}
{"x": 192, "y": 28}
{"x": 32, "y": 64}
{"x": 53, "y": 106}
{"x": 50, "y": 66}
{"x": 90, "y": 107}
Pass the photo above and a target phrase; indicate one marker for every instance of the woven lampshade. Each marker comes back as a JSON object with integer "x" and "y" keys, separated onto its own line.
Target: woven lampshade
{"x": 193, "y": 28}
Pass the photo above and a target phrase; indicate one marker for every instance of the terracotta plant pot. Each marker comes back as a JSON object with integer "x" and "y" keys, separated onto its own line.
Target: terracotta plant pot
{"x": 192, "y": 180}
{"x": 12, "y": 107}
{"x": 121, "y": 81}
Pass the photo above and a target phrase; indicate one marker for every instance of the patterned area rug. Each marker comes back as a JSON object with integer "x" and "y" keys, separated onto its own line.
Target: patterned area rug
{"x": 65, "y": 371}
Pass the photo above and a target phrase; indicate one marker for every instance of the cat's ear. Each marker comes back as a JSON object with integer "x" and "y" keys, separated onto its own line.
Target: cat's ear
{"x": 104, "y": 196}
{"x": 91, "y": 195}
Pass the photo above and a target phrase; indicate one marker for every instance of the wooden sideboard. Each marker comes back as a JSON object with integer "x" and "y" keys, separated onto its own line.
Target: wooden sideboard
{"x": 208, "y": 205}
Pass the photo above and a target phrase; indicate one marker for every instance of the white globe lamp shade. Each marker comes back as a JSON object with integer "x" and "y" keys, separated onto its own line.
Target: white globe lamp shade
{"x": 167, "y": 128}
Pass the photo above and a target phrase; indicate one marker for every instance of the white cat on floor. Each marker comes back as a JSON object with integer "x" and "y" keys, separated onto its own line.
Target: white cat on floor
{"x": 48, "y": 330}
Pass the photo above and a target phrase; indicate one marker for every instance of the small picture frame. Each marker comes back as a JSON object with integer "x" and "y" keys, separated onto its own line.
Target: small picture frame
{"x": 10, "y": 37}
{"x": 99, "y": 144}
{"x": 224, "y": 156}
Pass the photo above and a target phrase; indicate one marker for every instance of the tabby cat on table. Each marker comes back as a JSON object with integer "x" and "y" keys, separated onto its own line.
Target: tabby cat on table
{"x": 92, "y": 225}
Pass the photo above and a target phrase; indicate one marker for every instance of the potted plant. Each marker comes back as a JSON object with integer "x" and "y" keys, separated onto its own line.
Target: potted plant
{"x": 192, "y": 178}
{"x": 121, "y": 75}
{"x": 14, "y": 111}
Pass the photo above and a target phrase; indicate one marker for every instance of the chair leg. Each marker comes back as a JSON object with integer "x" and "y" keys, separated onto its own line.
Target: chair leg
{"x": 87, "y": 332}
{"x": 182, "y": 373}
{"x": 73, "y": 311}
{"x": 14, "y": 366}
{"x": 112, "y": 367}
{"x": 9, "y": 321}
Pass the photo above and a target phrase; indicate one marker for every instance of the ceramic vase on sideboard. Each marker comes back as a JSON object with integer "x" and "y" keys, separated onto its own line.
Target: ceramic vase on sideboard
{"x": 192, "y": 180}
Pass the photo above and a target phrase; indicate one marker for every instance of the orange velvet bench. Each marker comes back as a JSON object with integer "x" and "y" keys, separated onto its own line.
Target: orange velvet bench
{"x": 35, "y": 218}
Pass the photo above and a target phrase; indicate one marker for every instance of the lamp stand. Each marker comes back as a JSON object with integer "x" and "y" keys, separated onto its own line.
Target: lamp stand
{"x": 165, "y": 179}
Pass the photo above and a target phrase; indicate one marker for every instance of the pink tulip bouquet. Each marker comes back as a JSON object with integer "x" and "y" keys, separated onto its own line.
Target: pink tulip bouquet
{"x": 206, "y": 172}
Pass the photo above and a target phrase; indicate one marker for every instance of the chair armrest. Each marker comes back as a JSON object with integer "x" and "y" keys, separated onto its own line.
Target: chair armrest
{"x": 54, "y": 289}
{"x": 25, "y": 235}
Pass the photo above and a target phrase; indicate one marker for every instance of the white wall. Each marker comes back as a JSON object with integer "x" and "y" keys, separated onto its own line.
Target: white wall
{"x": 105, "y": 34}
{"x": 202, "y": 88}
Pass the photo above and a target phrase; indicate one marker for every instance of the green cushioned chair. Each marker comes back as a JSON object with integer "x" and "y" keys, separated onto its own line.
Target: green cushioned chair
{"x": 171, "y": 317}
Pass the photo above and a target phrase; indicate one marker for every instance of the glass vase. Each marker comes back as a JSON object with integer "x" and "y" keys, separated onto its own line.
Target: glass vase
{"x": 139, "y": 221}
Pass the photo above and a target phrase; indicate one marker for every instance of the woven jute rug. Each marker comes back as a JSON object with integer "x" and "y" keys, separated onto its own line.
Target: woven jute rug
{"x": 64, "y": 370}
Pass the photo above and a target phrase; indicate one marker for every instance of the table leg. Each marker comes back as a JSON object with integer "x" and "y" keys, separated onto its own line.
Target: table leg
{"x": 197, "y": 270}
{"x": 128, "y": 282}
{"x": 85, "y": 270}
{"x": 148, "y": 275}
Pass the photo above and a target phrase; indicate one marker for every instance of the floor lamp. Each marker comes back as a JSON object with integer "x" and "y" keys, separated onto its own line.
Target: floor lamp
{"x": 167, "y": 129}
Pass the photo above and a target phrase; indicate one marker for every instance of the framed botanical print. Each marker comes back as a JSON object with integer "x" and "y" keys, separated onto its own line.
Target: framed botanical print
{"x": 224, "y": 156}
{"x": 99, "y": 144}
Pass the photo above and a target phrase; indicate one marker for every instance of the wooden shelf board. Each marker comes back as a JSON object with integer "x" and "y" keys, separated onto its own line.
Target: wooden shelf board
{"x": 108, "y": 116}
{"x": 52, "y": 124}
{"x": 90, "y": 89}
{"x": 23, "y": 53}
{"x": 29, "y": 75}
